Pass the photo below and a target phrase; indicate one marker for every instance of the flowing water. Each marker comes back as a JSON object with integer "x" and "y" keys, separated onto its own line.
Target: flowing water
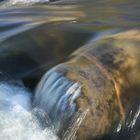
{"x": 35, "y": 35}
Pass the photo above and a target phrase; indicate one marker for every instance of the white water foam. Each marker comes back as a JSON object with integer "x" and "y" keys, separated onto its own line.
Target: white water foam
{"x": 132, "y": 120}
{"x": 17, "y": 121}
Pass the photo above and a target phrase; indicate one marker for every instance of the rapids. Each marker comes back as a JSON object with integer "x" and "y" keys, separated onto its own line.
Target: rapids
{"x": 17, "y": 119}
{"x": 35, "y": 35}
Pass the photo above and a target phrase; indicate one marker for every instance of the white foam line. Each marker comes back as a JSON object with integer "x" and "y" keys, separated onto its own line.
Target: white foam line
{"x": 137, "y": 114}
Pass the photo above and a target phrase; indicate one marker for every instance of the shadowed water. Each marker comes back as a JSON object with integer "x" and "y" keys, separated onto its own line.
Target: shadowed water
{"x": 36, "y": 35}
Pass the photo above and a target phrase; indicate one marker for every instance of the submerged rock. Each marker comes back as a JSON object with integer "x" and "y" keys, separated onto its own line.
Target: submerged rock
{"x": 102, "y": 79}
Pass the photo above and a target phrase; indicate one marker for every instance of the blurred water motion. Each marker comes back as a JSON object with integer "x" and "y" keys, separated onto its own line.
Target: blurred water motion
{"x": 38, "y": 34}
{"x": 30, "y": 35}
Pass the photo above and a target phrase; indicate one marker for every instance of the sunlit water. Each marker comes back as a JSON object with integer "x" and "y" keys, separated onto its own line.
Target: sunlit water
{"x": 37, "y": 34}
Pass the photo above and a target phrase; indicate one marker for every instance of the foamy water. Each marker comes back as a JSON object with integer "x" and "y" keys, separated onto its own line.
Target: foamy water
{"x": 17, "y": 122}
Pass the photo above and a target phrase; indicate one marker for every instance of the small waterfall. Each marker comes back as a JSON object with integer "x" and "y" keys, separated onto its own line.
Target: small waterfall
{"x": 53, "y": 107}
{"x": 56, "y": 95}
{"x": 18, "y": 120}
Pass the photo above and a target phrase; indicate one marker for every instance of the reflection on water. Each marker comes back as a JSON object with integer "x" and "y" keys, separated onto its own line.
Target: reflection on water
{"x": 35, "y": 35}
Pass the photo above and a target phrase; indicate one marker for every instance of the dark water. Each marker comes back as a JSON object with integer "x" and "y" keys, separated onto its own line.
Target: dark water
{"x": 30, "y": 38}
{"x": 36, "y": 35}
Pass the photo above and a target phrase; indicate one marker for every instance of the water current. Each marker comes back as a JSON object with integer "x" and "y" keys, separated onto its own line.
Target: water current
{"x": 35, "y": 35}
